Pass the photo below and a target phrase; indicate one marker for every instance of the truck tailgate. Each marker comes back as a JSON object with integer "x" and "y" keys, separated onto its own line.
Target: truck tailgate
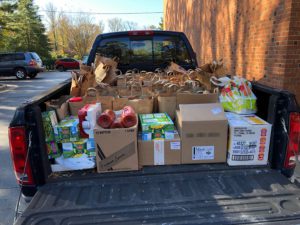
{"x": 215, "y": 194}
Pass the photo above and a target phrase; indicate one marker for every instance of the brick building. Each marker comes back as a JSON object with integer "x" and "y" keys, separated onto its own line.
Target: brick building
{"x": 258, "y": 39}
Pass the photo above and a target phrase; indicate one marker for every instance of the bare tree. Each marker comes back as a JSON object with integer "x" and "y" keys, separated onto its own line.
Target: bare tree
{"x": 52, "y": 22}
{"x": 82, "y": 35}
{"x": 101, "y": 26}
{"x": 130, "y": 25}
{"x": 116, "y": 24}
{"x": 151, "y": 27}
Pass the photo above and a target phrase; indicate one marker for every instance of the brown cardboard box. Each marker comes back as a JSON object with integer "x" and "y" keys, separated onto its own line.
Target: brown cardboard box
{"x": 190, "y": 98}
{"x": 116, "y": 149}
{"x": 203, "y": 130}
{"x": 159, "y": 152}
{"x": 59, "y": 105}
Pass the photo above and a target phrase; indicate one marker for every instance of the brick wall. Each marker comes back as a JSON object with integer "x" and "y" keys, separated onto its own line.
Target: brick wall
{"x": 257, "y": 39}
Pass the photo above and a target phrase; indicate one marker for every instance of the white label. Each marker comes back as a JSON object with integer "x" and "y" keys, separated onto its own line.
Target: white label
{"x": 216, "y": 110}
{"x": 203, "y": 152}
{"x": 244, "y": 147}
{"x": 159, "y": 152}
{"x": 175, "y": 145}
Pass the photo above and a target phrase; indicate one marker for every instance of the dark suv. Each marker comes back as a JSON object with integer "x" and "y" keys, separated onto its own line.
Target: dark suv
{"x": 20, "y": 64}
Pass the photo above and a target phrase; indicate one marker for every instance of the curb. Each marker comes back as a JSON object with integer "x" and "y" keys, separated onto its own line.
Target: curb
{"x": 3, "y": 87}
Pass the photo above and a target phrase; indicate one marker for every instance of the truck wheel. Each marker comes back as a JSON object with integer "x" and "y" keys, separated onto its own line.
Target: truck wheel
{"x": 33, "y": 75}
{"x": 60, "y": 68}
{"x": 20, "y": 73}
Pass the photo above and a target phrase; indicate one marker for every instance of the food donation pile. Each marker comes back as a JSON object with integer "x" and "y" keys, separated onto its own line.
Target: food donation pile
{"x": 118, "y": 122}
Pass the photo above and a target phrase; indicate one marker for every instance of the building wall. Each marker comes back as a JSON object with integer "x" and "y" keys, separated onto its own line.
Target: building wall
{"x": 258, "y": 39}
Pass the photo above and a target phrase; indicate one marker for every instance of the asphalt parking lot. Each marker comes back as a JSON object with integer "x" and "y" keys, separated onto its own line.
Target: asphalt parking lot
{"x": 12, "y": 93}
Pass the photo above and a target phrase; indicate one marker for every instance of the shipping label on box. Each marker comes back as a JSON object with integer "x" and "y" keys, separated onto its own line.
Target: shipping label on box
{"x": 249, "y": 140}
{"x": 203, "y": 152}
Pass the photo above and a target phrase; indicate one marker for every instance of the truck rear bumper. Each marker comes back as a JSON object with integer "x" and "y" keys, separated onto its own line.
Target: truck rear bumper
{"x": 208, "y": 194}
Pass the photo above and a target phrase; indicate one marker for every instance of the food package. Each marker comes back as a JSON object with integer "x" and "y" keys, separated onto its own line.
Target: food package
{"x": 128, "y": 117}
{"x": 67, "y": 130}
{"x": 53, "y": 150}
{"x": 106, "y": 118}
{"x": 49, "y": 121}
{"x": 84, "y": 145}
{"x": 156, "y": 126}
{"x": 237, "y": 96}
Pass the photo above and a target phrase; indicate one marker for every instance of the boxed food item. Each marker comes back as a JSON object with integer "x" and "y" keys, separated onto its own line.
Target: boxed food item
{"x": 49, "y": 121}
{"x": 67, "y": 130}
{"x": 116, "y": 149}
{"x": 53, "y": 150}
{"x": 159, "y": 152}
{"x": 203, "y": 130}
{"x": 81, "y": 146}
{"x": 156, "y": 126}
{"x": 87, "y": 116}
{"x": 249, "y": 140}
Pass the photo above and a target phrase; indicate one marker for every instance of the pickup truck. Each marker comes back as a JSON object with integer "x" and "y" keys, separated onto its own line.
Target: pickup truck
{"x": 181, "y": 194}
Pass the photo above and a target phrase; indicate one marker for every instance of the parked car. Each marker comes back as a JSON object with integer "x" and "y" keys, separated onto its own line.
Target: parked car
{"x": 20, "y": 64}
{"x": 66, "y": 64}
{"x": 180, "y": 194}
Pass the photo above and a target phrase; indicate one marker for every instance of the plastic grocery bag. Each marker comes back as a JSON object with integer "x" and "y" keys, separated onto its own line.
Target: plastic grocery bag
{"x": 237, "y": 96}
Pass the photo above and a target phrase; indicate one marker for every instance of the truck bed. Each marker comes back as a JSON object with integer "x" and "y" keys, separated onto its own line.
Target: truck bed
{"x": 184, "y": 194}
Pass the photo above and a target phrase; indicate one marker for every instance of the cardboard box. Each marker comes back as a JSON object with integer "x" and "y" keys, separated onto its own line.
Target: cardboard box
{"x": 190, "y": 98}
{"x": 159, "y": 152}
{"x": 249, "y": 140}
{"x": 203, "y": 130}
{"x": 116, "y": 149}
{"x": 60, "y": 106}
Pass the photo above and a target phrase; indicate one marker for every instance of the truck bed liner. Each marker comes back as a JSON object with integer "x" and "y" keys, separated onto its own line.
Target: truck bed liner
{"x": 207, "y": 194}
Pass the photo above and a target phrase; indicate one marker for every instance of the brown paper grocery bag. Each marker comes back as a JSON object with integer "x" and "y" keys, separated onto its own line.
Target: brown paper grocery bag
{"x": 167, "y": 104}
{"x": 142, "y": 106}
{"x": 74, "y": 107}
{"x": 100, "y": 73}
{"x": 90, "y": 96}
{"x": 119, "y": 103}
{"x": 106, "y": 102}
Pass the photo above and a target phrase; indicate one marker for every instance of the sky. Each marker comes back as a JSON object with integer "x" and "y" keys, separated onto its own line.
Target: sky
{"x": 110, "y": 6}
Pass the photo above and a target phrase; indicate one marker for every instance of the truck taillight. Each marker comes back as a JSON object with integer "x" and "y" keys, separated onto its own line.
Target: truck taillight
{"x": 18, "y": 150}
{"x": 140, "y": 32}
{"x": 294, "y": 141}
{"x": 32, "y": 63}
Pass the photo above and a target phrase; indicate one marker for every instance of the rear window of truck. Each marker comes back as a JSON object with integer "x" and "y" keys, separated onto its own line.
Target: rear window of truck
{"x": 154, "y": 50}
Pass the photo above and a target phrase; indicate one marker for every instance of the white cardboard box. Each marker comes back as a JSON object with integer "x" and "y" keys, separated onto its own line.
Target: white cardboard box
{"x": 249, "y": 140}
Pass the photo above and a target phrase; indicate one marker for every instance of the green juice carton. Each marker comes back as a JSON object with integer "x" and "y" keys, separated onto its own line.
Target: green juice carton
{"x": 67, "y": 130}
{"x": 53, "y": 150}
{"x": 49, "y": 122}
{"x": 156, "y": 126}
{"x": 83, "y": 145}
